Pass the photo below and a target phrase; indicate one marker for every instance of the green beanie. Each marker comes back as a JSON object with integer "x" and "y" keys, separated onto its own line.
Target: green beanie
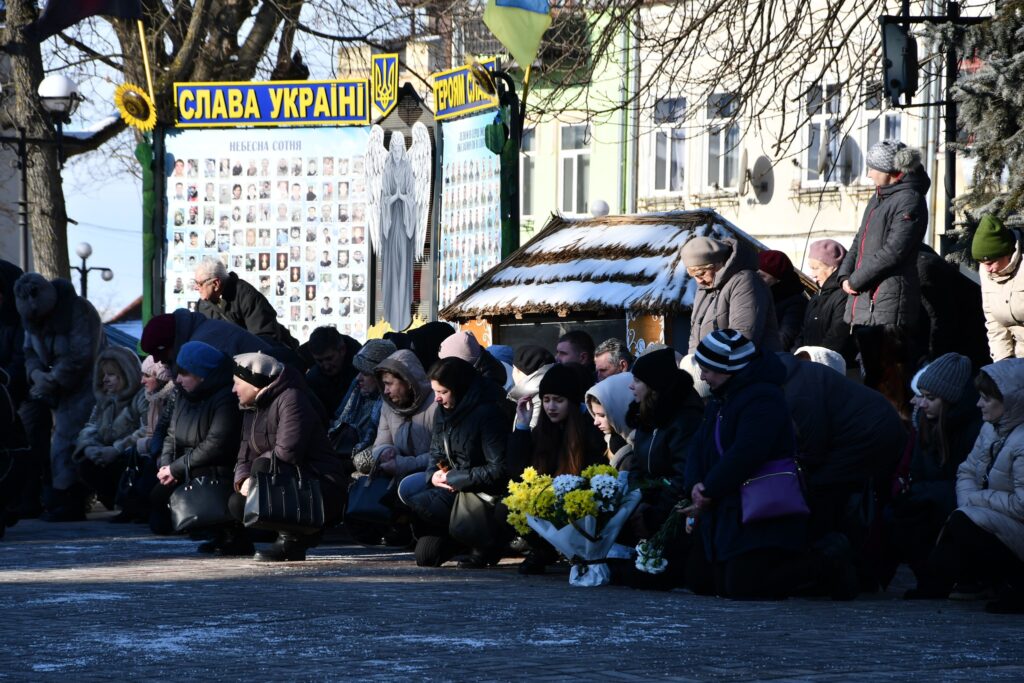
{"x": 991, "y": 240}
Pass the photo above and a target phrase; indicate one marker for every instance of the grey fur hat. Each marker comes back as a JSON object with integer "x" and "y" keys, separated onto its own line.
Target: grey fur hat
{"x": 892, "y": 156}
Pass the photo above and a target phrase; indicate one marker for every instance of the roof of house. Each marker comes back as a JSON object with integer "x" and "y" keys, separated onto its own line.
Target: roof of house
{"x": 597, "y": 265}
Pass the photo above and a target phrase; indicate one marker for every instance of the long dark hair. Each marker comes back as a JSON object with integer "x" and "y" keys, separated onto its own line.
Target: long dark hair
{"x": 934, "y": 433}
{"x": 454, "y": 374}
{"x": 560, "y": 448}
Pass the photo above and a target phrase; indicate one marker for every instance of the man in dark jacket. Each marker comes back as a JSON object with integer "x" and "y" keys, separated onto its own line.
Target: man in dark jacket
{"x": 63, "y": 336}
{"x": 846, "y": 434}
{"x": 165, "y": 334}
{"x": 333, "y": 371}
{"x": 952, "y": 319}
{"x": 31, "y": 466}
{"x": 281, "y": 421}
{"x": 880, "y": 270}
{"x": 224, "y": 296}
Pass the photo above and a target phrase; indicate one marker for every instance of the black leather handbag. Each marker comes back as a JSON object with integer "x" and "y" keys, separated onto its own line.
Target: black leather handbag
{"x": 201, "y": 502}
{"x": 365, "y": 499}
{"x": 284, "y": 500}
{"x": 136, "y": 482}
{"x": 472, "y": 518}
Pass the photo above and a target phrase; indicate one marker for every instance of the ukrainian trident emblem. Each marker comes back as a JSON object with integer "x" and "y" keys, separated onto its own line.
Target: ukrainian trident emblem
{"x": 384, "y": 82}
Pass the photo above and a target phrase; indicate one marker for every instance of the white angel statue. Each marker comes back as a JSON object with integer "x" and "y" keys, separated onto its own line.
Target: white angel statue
{"x": 398, "y": 211}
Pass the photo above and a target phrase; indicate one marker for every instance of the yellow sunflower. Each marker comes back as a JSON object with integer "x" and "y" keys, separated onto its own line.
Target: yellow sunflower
{"x": 137, "y": 110}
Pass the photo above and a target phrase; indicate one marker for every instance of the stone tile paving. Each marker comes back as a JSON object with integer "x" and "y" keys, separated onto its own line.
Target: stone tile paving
{"x": 96, "y": 601}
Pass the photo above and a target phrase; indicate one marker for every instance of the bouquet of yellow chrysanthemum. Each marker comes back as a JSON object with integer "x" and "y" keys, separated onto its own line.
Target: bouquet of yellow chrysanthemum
{"x": 579, "y": 515}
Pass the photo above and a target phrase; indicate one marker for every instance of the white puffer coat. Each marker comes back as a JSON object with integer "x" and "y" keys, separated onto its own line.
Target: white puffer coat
{"x": 990, "y": 483}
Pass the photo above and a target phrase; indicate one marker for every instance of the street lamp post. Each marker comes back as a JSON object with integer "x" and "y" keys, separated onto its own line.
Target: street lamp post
{"x": 84, "y": 251}
{"x": 59, "y": 97}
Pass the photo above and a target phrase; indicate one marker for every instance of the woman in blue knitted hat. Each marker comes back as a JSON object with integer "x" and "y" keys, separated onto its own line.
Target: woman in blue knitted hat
{"x": 204, "y": 434}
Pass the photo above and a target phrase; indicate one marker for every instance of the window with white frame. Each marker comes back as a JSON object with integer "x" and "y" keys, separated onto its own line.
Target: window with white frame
{"x": 824, "y": 137}
{"x": 527, "y": 149}
{"x": 723, "y": 158}
{"x": 669, "y": 153}
{"x": 574, "y": 156}
{"x": 881, "y": 125}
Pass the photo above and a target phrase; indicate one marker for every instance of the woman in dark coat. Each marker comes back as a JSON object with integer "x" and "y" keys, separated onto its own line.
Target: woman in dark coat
{"x": 947, "y": 422}
{"x": 788, "y": 294}
{"x": 880, "y": 270}
{"x": 665, "y": 415}
{"x": 565, "y": 441}
{"x": 281, "y": 419}
{"x": 746, "y": 425}
{"x": 203, "y": 435}
{"x": 469, "y": 443}
{"x": 823, "y": 321}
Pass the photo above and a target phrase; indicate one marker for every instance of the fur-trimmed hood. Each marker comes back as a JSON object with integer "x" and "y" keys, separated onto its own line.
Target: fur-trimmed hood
{"x": 131, "y": 372}
{"x": 406, "y": 366}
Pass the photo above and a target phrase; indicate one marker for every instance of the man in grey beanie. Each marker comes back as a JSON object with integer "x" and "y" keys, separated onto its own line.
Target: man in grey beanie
{"x": 879, "y": 272}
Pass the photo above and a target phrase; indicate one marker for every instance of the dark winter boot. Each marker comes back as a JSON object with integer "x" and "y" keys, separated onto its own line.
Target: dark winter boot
{"x": 235, "y": 543}
{"x": 68, "y": 505}
{"x": 287, "y": 548}
{"x": 841, "y": 570}
{"x": 433, "y": 551}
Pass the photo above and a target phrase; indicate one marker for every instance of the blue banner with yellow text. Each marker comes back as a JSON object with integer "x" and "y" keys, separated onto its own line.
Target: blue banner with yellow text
{"x": 278, "y": 103}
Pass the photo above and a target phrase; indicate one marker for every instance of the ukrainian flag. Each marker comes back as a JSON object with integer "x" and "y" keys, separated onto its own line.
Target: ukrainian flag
{"x": 519, "y": 25}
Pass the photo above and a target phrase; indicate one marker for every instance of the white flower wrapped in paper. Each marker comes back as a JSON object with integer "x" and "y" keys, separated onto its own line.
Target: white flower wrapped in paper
{"x": 588, "y": 546}
{"x": 607, "y": 491}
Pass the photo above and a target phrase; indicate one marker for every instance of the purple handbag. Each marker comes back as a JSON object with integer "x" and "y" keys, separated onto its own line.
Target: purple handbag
{"x": 774, "y": 490}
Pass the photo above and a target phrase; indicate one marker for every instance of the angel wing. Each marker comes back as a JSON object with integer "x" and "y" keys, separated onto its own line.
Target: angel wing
{"x": 422, "y": 161}
{"x": 376, "y": 155}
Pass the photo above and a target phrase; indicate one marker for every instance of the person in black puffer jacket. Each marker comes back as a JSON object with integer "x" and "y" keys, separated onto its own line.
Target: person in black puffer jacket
{"x": 202, "y": 439}
{"x": 665, "y": 415}
{"x": 880, "y": 270}
{"x": 778, "y": 273}
{"x": 468, "y": 444}
{"x": 823, "y": 321}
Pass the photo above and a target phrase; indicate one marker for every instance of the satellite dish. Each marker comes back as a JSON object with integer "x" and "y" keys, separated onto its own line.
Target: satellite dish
{"x": 744, "y": 174}
{"x": 762, "y": 179}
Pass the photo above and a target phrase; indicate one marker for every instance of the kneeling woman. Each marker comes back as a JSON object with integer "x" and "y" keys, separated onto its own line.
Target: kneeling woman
{"x": 564, "y": 441}
{"x": 120, "y": 404}
{"x": 746, "y": 425}
{"x": 984, "y": 537}
{"x": 280, "y": 420}
{"x": 202, "y": 439}
{"x": 468, "y": 446}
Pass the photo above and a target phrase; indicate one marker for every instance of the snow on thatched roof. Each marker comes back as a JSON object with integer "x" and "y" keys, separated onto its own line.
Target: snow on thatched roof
{"x": 596, "y": 265}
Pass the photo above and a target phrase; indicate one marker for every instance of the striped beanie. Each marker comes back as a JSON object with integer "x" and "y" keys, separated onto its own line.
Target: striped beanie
{"x": 725, "y": 351}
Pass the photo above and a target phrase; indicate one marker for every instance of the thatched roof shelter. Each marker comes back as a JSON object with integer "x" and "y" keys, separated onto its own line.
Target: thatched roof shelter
{"x": 597, "y": 266}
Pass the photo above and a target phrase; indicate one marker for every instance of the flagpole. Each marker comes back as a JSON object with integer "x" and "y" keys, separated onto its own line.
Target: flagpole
{"x": 145, "y": 60}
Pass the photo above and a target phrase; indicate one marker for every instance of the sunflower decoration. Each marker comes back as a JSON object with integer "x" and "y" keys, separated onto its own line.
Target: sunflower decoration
{"x": 136, "y": 107}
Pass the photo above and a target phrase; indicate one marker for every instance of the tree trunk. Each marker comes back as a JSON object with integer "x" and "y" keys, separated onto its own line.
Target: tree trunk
{"x": 47, "y": 214}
